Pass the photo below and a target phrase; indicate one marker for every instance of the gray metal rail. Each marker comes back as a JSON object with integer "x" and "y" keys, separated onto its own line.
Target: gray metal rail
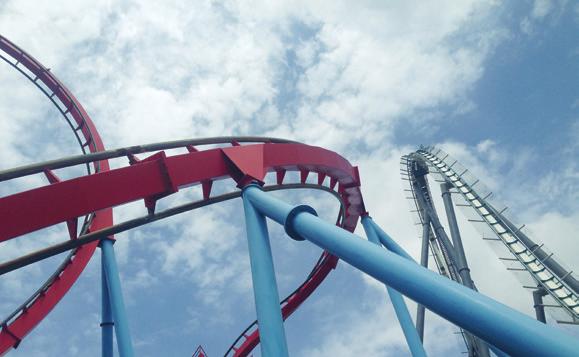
{"x": 544, "y": 269}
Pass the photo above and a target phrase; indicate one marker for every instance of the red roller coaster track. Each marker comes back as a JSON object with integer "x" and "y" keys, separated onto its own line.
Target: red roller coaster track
{"x": 158, "y": 176}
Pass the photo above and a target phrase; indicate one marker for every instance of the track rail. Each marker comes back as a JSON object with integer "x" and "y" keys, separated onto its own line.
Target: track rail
{"x": 542, "y": 267}
{"x": 164, "y": 176}
{"x": 161, "y": 175}
{"x": 24, "y": 319}
{"x": 420, "y": 187}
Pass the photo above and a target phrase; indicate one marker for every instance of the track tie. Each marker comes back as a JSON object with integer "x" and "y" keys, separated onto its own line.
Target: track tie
{"x": 18, "y": 339}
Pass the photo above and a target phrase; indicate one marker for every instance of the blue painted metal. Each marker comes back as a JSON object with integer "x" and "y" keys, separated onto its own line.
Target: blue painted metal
{"x": 497, "y": 352}
{"x": 388, "y": 242}
{"x": 269, "y": 319}
{"x": 124, "y": 343}
{"x": 508, "y": 329}
{"x": 107, "y": 315}
{"x": 410, "y": 333}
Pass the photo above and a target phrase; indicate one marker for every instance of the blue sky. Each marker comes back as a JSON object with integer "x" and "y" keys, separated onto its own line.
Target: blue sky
{"x": 495, "y": 84}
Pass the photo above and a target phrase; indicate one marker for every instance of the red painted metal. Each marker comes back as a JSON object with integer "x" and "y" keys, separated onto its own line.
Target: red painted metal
{"x": 45, "y": 206}
{"x": 246, "y": 163}
{"x": 71, "y": 224}
{"x": 279, "y": 175}
{"x": 157, "y": 176}
{"x": 199, "y": 352}
{"x": 329, "y": 262}
{"x": 23, "y": 323}
{"x": 321, "y": 178}
{"x": 206, "y": 187}
{"x": 161, "y": 175}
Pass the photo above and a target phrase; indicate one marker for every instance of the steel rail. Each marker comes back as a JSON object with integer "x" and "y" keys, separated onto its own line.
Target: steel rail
{"x": 52, "y": 291}
{"x": 131, "y": 150}
{"x": 103, "y": 155}
{"x": 510, "y": 235}
{"x": 59, "y": 91}
{"x": 51, "y": 98}
{"x": 343, "y": 190}
{"x": 69, "y": 107}
{"x": 58, "y": 248}
{"x": 114, "y": 153}
{"x": 59, "y": 283}
{"x": 423, "y": 199}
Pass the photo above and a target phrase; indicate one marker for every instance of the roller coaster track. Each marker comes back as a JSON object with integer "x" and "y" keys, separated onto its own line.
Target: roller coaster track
{"x": 159, "y": 176}
{"x": 37, "y": 307}
{"x": 541, "y": 266}
{"x": 246, "y": 162}
{"x": 342, "y": 177}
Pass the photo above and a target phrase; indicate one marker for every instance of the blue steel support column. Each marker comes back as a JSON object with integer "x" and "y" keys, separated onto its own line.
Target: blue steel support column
{"x": 269, "y": 319}
{"x": 124, "y": 344}
{"x": 511, "y": 331}
{"x": 388, "y": 242}
{"x": 398, "y": 303}
{"x": 107, "y": 315}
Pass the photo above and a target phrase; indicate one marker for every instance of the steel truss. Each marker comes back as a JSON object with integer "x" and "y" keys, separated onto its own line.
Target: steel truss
{"x": 550, "y": 276}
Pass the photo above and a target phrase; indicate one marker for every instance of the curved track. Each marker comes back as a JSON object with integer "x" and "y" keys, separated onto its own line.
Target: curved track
{"x": 27, "y": 316}
{"x": 242, "y": 161}
{"x": 159, "y": 176}
{"x": 542, "y": 267}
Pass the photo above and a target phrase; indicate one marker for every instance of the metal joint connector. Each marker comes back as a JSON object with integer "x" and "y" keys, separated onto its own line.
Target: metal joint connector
{"x": 289, "y": 226}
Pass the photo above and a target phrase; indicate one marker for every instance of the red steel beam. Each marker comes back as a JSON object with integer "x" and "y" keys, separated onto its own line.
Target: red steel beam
{"x": 16, "y": 330}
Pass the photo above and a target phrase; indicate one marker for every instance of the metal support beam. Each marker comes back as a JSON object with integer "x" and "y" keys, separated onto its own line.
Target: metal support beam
{"x": 463, "y": 268}
{"x": 124, "y": 343}
{"x": 269, "y": 319}
{"x": 420, "y": 310}
{"x": 538, "y": 304}
{"x": 509, "y": 330}
{"x": 437, "y": 227}
{"x": 410, "y": 333}
{"x": 476, "y": 346}
{"x": 461, "y": 262}
{"x": 388, "y": 242}
{"x": 107, "y": 322}
{"x": 550, "y": 263}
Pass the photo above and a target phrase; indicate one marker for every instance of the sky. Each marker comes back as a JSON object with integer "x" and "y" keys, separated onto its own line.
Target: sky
{"x": 496, "y": 84}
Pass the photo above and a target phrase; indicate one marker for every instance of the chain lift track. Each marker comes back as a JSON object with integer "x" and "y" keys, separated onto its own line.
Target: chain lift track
{"x": 548, "y": 274}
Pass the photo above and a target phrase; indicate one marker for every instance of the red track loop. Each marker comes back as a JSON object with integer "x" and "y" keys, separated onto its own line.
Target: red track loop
{"x": 160, "y": 175}
{"x": 22, "y": 324}
{"x": 157, "y": 176}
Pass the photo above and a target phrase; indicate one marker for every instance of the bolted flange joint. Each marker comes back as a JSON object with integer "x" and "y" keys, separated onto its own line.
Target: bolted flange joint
{"x": 289, "y": 224}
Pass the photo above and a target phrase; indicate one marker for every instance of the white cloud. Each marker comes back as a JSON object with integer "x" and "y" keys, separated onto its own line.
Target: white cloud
{"x": 329, "y": 73}
{"x": 541, "y": 8}
{"x": 541, "y": 11}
